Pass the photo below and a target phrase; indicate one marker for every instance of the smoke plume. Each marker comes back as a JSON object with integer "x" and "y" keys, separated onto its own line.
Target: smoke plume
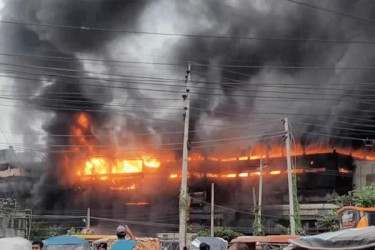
{"x": 325, "y": 88}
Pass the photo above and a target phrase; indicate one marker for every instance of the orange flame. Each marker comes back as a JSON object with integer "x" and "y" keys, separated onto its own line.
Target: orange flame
{"x": 230, "y": 175}
{"x": 173, "y": 176}
{"x": 102, "y": 161}
{"x": 142, "y": 203}
{"x": 243, "y": 175}
{"x": 344, "y": 171}
{"x": 132, "y": 187}
{"x": 275, "y": 172}
{"x": 83, "y": 120}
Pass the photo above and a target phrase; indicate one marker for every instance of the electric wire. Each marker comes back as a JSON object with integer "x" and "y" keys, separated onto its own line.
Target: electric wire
{"x": 98, "y": 29}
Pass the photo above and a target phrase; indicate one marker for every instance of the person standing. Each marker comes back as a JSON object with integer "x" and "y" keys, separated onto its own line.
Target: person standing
{"x": 122, "y": 243}
{"x": 37, "y": 245}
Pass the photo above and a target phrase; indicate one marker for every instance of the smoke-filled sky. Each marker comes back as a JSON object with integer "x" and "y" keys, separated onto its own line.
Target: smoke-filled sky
{"x": 315, "y": 67}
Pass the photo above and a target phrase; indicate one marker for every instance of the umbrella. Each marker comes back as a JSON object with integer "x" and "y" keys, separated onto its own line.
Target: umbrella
{"x": 14, "y": 243}
{"x": 65, "y": 240}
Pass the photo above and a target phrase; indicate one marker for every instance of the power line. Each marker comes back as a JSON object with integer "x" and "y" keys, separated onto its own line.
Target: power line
{"x": 334, "y": 127}
{"x": 336, "y": 136}
{"x": 204, "y": 93}
{"x": 7, "y": 142}
{"x": 239, "y": 138}
{"x": 212, "y": 88}
{"x": 59, "y": 58}
{"x": 181, "y": 63}
{"x": 271, "y": 39}
{"x": 172, "y": 80}
{"x": 333, "y": 11}
{"x": 268, "y": 122}
{"x": 238, "y": 142}
{"x": 283, "y": 67}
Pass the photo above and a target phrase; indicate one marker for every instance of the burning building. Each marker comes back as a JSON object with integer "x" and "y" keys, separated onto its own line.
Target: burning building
{"x": 149, "y": 181}
{"x": 96, "y": 96}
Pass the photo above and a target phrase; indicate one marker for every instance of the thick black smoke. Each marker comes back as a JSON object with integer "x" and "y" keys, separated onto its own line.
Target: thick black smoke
{"x": 243, "y": 95}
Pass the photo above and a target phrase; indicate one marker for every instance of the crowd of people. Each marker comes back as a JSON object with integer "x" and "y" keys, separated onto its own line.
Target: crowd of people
{"x": 129, "y": 244}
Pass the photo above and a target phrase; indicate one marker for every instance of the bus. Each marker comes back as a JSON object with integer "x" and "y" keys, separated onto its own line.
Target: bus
{"x": 356, "y": 217}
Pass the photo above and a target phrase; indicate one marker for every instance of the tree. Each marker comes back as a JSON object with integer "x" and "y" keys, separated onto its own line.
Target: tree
{"x": 41, "y": 230}
{"x": 329, "y": 222}
{"x": 364, "y": 197}
{"x": 257, "y": 225}
{"x": 222, "y": 232}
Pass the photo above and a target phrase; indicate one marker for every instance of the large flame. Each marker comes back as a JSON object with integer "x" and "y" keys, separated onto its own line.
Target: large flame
{"x": 94, "y": 158}
{"x": 102, "y": 159}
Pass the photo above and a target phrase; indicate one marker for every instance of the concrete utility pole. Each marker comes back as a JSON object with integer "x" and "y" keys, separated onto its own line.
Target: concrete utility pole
{"x": 254, "y": 199}
{"x": 290, "y": 182}
{"x": 183, "y": 191}
{"x": 260, "y": 188}
{"x": 88, "y": 218}
{"x": 212, "y": 209}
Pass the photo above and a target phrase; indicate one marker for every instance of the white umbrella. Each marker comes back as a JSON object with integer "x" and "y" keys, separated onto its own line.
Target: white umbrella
{"x": 15, "y": 243}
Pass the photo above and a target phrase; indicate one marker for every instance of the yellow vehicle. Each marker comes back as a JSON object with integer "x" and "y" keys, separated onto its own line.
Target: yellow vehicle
{"x": 356, "y": 217}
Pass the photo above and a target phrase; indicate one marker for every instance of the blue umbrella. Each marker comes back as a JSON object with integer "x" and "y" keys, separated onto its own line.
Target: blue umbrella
{"x": 65, "y": 240}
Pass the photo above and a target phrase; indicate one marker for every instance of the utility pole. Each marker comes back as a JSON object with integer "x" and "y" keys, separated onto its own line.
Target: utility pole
{"x": 260, "y": 189}
{"x": 254, "y": 199}
{"x": 30, "y": 223}
{"x": 290, "y": 181}
{"x": 183, "y": 191}
{"x": 212, "y": 209}
{"x": 88, "y": 218}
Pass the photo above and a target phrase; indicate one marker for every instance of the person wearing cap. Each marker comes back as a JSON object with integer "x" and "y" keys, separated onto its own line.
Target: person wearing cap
{"x": 122, "y": 243}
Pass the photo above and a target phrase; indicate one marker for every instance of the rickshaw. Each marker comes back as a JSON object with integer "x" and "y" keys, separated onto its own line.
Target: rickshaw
{"x": 356, "y": 217}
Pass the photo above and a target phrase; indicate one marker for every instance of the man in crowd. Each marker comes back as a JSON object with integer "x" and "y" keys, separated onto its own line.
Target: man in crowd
{"x": 37, "y": 245}
{"x": 240, "y": 246}
{"x": 122, "y": 243}
{"x": 204, "y": 246}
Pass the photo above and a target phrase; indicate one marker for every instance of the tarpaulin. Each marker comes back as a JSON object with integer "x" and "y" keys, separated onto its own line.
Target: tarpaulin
{"x": 349, "y": 239}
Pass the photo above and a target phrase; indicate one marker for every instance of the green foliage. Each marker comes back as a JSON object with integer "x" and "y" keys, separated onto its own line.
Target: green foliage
{"x": 297, "y": 214}
{"x": 41, "y": 230}
{"x": 329, "y": 222}
{"x": 365, "y": 197}
{"x": 344, "y": 200}
{"x": 257, "y": 225}
{"x": 222, "y": 232}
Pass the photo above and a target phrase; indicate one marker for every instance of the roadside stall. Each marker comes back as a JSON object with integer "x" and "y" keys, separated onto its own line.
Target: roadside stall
{"x": 349, "y": 239}
{"x": 14, "y": 243}
{"x": 66, "y": 242}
